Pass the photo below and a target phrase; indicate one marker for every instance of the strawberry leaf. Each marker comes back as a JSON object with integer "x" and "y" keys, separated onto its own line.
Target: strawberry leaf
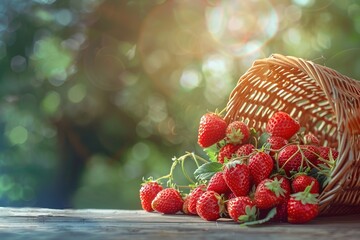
{"x": 212, "y": 152}
{"x": 263, "y": 139}
{"x": 250, "y": 216}
{"x": 306, "y": 197}
{"x": 207, "y": 170}
{"x": 254, "y": 135}
{"x": 269, "y": 216}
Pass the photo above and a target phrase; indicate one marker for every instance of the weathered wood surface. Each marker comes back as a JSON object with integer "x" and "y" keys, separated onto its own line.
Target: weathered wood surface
{"x": 28, "y": 223}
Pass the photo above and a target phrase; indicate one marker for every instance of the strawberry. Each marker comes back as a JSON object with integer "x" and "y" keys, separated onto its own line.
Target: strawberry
{"x": 285, "y": 185}
{"x": 290, "y": 159}
{"x": 230, "y": 195}
{"x": 148, "y": 192}
{"x": 245, "y": 150}
{"x": 276, "y": 142}
{"x": 303, "y": 206}
{"x": 210, "y": 206}
{"x": 227, "y": 152}
{"x": 212, "y": 129}
{"x": 217, "y": 183}
{"x": 185, "y": 206}
{"x": 281, "y": 124}
{"x": 237, "y": 177}
{"x": 168, "y": 201}
{"x": 242, "y": 209}
{"x": 194, "y": 196}
{"x": 260, "y": 166}
{"x": 237, "y": 132}
{"x": 301, "y": 181}
{"x": 310, "y": 138}
{"x": 311, "y": 153}
{"x": 297, "y": 157}
{"x": 327, "y": 156}
{"x": 268, "y": 194}
{"x": 281, "y": 212}
{"x": 324, "y": 152}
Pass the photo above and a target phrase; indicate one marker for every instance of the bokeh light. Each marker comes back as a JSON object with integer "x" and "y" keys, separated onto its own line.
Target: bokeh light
{"x": 242, "y": 27}
{"x": 51, "y": 61}
{"x": 18, "y": 135}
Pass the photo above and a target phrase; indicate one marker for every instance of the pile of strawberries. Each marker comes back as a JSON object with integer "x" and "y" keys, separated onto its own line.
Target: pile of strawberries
{"x": 249, "y": 177}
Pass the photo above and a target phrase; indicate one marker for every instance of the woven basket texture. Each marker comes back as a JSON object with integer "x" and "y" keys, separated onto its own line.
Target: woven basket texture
{"x": 324, "y": 101}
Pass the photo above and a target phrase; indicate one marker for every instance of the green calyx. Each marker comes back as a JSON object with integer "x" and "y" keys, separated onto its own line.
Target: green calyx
{"x": 324, "y": 170}
{"x": 221, "y": 204}
{"x": 235, "y": 136}
{"x": 250, "y": 214}
{"x": 254, "y": 135}
{"x": 268, "y": 217}
{"x": 306, "y": 197}
{"x": 235, "y": 162}
{"x": 218, "y": 112}
{"x": 275, "y": 186}
{"x": 148, "y": 180}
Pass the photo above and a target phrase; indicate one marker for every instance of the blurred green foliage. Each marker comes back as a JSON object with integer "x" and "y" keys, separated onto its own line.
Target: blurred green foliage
{"x": 97, "y": 94}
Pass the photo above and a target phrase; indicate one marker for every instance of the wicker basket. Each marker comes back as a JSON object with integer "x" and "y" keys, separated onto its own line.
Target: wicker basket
{"x": 324, "y": 101}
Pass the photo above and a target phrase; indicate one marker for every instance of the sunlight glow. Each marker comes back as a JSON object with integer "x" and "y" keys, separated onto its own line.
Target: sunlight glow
{"x": 242, "y": 27}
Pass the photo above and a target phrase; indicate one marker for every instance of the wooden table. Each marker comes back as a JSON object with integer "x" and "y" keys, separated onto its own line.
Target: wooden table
{"x": 38, "y": 224}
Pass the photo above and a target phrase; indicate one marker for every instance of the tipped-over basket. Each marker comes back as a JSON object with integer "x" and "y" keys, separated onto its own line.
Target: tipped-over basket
{"x": 324, "y": 101}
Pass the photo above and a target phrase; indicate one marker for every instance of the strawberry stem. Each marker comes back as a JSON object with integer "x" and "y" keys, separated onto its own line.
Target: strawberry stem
{"x": 290, "y": 158}
{"x": 222, "y": 111}
{"x": 184, "y": 186}
{"x": 278, "y": 150}
{"x": 196, "y": 157}
{"x": 185, "y": 173}
{"x": 302, "y": 157}
{"x": 268, "y": 217}
{"x": 176, "y": 161}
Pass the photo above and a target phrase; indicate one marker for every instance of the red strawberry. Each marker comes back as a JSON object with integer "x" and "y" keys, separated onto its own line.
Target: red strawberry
{"x": 242, "y": 209}
{"x": 260, "y": 166}
{"x": 237, "y": 132}
{"x": 185, "y": 206}
{"x": 327, "y": 157}
{"x": 148, "y": 192}
{"x": 290, "y": 159}
{"x": 282, "y": 125}
{"x": 245, "y": 150}
{"x": 324, "y": 152}
{"x": 210, "y": 206}
{"x": 268, "y": 194}
{"x": 276, "y": 142}
{"x": 311, "y": 153}
{"x": 301, "y": 181}
{"x": 226, "y": 152}
{"x": 237, "y": 177}
{"x": 217, "y": 183}
{"x": 281, "y": 212}
{"x": 293, "y": 157}
{"x": 230, "y": 195}
{"x": 310, "y": 138}
{"x": 168, "y": 201}
{"x": 285, "y": 185}
{"x": 212, "y": 129}
{"x": 302, "y": 207}
{"x": 194, "y": 196}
